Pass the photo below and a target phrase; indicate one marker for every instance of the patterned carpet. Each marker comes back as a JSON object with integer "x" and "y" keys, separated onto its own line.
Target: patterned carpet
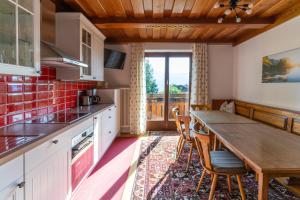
{"x": 159, "y": 176}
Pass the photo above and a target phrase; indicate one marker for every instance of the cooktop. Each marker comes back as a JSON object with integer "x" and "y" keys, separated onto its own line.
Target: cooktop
{"x": 59, "y": 117}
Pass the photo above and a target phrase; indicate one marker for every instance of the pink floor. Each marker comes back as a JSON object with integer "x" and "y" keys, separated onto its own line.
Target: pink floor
{"x": 107, "y": 181}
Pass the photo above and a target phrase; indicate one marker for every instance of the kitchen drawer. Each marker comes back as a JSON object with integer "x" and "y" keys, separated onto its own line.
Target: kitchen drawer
{"x": 40, "y": 153}
{"x": 10, "y": 172}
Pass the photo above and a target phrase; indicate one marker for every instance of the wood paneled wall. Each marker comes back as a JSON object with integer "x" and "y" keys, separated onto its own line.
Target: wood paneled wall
{"x": 288, "y": 120}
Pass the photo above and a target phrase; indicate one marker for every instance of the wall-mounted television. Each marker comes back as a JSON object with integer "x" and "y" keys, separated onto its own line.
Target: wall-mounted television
{"x": 114, "y": 59}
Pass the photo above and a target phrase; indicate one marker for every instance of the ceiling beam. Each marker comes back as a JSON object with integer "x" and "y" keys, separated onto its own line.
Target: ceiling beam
{"x": 180, "y": 22}
{"x": 286, "y": 15}
{"x": 130, "y": 40}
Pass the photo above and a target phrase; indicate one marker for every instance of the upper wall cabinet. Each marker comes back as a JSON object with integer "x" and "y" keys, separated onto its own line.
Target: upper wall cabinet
{"x": 20, "y": 37}
{"x": 78, "y": 37}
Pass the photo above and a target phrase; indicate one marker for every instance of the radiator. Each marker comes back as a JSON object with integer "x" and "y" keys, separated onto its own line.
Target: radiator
{"x": 125, "y": 117}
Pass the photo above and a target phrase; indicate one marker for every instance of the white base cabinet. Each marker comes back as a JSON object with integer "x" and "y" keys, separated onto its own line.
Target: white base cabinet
{"x": 98, "y": 151}
{"x": 105, "y": 130}
{"x": 13, "y": 191}
{"x": 44, "y": 173}
{"x": 12, "y": 180}
{"x": 50, "y": 180}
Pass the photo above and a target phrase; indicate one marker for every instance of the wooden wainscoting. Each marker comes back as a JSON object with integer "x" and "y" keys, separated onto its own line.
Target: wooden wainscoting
{"x": 288, "y": 120}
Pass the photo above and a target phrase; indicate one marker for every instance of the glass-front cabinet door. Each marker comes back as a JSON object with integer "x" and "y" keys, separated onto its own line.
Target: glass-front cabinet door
{"x": 20, "y": 37}
{"x": 86, "y": 48}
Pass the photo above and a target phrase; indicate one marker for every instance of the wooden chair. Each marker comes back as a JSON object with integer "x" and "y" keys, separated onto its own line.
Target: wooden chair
{"x": 218, "y": 163}
{"x": 175, "y": 112}
{"x": 185, "y": 137}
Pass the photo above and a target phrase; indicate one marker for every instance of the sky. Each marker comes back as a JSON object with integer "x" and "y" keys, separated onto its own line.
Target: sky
{"x": 179, "y": 70}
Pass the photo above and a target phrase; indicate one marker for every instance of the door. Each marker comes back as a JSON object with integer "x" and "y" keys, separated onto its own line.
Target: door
{"x": 50, "y": 180}
{"x": 97, "y": 138}
{"x": 20, "y": 37}
{"x": 13, "y": 192}
{"x": 167, "y": 86}
{"x": 86, "y": 48}
{"x": 97, "y": 67}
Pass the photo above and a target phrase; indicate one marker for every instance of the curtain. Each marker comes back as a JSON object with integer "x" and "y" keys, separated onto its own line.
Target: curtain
{"x": 199, "y": 83}
{"x": 137, "y": 90}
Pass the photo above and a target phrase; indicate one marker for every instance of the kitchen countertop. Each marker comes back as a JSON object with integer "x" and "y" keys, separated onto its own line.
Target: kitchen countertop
{"x": 20, "y": 138}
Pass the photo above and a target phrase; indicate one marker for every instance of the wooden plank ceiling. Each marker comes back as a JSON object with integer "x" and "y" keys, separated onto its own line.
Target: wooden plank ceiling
{"x": 179, "y": 20}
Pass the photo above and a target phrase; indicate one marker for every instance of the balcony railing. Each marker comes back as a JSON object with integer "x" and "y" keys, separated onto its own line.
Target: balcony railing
{"x": 156, "y": 102}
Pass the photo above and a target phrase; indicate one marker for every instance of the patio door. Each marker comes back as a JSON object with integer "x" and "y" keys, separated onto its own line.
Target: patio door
{"x": 168, "y": 86}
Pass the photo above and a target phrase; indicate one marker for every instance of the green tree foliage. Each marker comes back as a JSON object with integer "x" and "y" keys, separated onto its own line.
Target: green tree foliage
{"x": 151, "y": 85}
{"x": 173, "y": 89}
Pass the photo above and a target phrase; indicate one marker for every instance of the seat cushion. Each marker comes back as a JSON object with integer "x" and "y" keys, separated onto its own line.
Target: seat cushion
{"x": 226, "y": 162}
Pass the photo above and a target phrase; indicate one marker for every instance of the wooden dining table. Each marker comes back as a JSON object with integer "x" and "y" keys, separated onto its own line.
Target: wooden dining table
{"x": 269, "y": 151}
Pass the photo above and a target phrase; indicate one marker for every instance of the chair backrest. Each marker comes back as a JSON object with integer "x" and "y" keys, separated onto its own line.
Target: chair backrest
{"x": 182, "y": 123}
{"x": 201, "y": 106}
{"x": 203, "y": 143}
{"x": 175, "y": 112}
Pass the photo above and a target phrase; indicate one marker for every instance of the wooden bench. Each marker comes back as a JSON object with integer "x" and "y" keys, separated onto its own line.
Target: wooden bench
{"x": 284, "y": 119}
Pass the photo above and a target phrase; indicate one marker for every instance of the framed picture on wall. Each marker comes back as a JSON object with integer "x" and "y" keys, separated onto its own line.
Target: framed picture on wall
{"x": 282, "y": 67}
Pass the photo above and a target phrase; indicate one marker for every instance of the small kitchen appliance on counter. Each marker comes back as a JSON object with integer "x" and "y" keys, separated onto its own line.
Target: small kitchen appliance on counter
{"x": 88, "y": 97}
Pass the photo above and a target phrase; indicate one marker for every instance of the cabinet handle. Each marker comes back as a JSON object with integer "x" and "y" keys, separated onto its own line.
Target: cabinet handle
{"x": 109, "y": 117}
{"x": 94, "y": 77}
{"x": 38, "y": 72}
{"x": 55, "y": 141}
{"x": 109, "y": 109}
{"x": 21, "y": 185}
{"x": 109, "y": 132}
{"x": 95, "y": 117}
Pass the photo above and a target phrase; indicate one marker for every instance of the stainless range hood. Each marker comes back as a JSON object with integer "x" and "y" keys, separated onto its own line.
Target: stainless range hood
{"x": 54, "y": 57}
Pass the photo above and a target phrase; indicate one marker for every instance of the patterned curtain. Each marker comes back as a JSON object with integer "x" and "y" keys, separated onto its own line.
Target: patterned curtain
{"x": 137, "y": 90}
{"x": 199, "y": 87}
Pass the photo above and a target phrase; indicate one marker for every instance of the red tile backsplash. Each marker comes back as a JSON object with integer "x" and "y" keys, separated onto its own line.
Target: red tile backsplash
{"x": 14, "y": 87}
{"x": 26, "y": 97}
{"x": 14, "y": 98}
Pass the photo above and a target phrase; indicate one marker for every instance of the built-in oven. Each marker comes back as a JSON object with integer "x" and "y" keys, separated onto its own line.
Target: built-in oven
{"x": 82, "y": 155}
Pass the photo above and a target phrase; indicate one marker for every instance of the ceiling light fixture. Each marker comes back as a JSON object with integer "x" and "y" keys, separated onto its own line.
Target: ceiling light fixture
{"x": 233, "y": 7}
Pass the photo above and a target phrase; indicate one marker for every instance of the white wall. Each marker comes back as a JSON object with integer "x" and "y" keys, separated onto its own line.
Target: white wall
{"x": 220, "y": 61}
{"x": 116, "y": 77}
{"x": 248, "y": 67}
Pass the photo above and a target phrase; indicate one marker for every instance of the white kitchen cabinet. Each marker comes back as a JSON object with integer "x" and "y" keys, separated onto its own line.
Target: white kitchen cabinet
{"x": 79, "y": 38}
{"x": 108, "y": 128}
{"x": 20, "y": 37}
{"x": 15, "y": 191}
{"x": 98, "y": 151}
{"x": 112, "y": 96}
{"x": 12, "y": 180}
{"x": 50, "y": 179}
{"x": 48, "y": 169}
{"x": 98, "y": 54}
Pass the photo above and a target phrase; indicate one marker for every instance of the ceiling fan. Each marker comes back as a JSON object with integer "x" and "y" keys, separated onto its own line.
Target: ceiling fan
{"x": 234, "y": 6}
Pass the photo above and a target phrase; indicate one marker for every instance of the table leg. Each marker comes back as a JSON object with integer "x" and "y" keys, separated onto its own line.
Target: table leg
{"x": 263, "y": 186}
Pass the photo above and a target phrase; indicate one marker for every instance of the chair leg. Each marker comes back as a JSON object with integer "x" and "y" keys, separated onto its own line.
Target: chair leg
{"x": 190, "y": 157}
{"x": 180, "y": 150}
{"x": 201, "y": 180}
{"x": 179, "y": 143}
{"x": 213, "y": 187}
{"x": 229, "y": 182}
{"x": 243, "y": 195}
